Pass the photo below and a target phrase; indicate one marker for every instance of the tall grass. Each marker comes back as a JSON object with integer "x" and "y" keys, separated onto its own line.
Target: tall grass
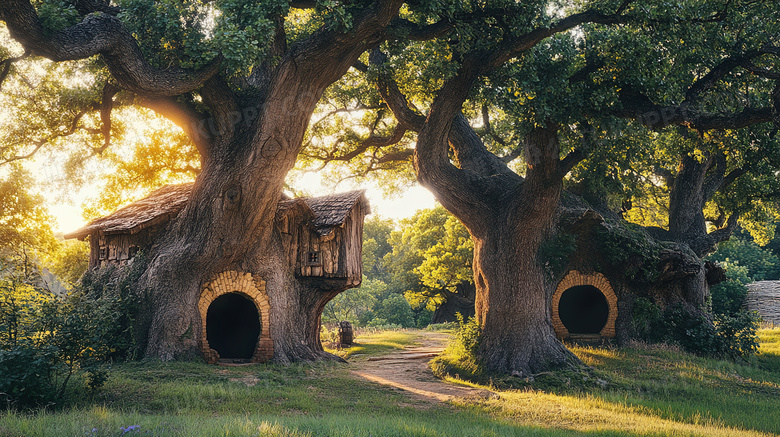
{"x": 649, "y": 391}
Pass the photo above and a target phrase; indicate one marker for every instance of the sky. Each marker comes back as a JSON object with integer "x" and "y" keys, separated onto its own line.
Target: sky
{"x": 67, "y": 213}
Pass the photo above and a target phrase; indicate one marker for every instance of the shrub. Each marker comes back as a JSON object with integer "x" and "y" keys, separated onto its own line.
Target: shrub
{"x": 727, "y": 336}
{"x": 115, "y": 288}
{"x": 27, "y": 376}
{"x": 394, "y": 310}
{"x": 460, "y": 357}
{"x": 468, "y": 336}
{"x": 48, "y": 340}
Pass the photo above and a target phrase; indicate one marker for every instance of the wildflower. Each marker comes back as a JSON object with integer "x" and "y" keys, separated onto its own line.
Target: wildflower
{"x": 129, "y": 428}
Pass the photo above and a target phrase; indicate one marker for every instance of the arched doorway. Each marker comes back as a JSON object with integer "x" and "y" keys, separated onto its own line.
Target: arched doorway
{"x": 233, "y": 326}
{"x": 583, "y": 309}
{"x": 584, "y": 304}
{"x": 234, "y": 313}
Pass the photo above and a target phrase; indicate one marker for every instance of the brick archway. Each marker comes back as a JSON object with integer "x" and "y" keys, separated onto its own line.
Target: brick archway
{"x": 573, "y": 279}
{"x": 247, "y": 286}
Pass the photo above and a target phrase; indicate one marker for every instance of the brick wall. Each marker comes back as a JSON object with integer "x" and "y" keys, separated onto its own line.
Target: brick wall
{"x": 575, "y": 278}
{"x": 251, "y": 288}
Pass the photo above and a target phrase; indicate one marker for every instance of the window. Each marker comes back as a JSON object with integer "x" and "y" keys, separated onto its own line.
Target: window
{"x": 133, "y": 251}
{"x": 313, "y": 259}
{"x": 103, "y": 254}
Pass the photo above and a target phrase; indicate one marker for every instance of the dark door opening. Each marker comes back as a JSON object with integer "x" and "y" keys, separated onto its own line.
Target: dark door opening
{"x": 233, "y": 326}
{"x": 583, "y": 310}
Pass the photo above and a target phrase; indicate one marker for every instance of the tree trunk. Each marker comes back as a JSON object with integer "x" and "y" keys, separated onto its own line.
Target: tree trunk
{"x": 460, "y": 302}
{"x": 513, "y": 295}
{"x": 694, "y": 185}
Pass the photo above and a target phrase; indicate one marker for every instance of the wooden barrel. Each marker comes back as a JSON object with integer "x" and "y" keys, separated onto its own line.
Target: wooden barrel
{"x": 345, "y": 333}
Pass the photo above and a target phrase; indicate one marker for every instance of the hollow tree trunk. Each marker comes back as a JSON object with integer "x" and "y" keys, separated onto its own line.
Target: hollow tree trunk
{"x": 228, "y": 225}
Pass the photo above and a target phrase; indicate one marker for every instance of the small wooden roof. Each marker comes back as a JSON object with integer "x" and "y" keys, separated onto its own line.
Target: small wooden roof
{"x": 160, "y": 206}
{"x": 164, "y": 204}
{"x": 332, "y": 210}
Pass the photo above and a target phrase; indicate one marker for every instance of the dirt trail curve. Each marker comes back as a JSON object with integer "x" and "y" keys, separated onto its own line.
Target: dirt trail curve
{"x": 764, "y": 297}
{"x": 407, "y": 370}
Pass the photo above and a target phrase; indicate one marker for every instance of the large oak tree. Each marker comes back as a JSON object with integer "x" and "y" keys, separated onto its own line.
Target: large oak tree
{"x": 569, "y": 96}
{"x": 241, "y": 79}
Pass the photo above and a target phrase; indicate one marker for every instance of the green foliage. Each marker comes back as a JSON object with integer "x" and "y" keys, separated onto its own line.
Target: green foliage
{"x": 628, "y": 248}
{"x": 115, "y": 288}
{"x": 727, "y": 336}
{"x": 56, "y": 14}
{"x": 354, "y": 304}
{"x": 432, "y": 255}
{"x": 70, "y": 262}
{"x": 468, "y": 335}
{"x": 554, "y": 253}
{"x": 46, "y": 340}
{"x": 376, "y": 245}
{"x": 460, "y": 359}
{"x": 728, "y": 297}
{"x": 24, "y": 221}
{"x": 761, "y": 264}
{"x": 393, "y": 310}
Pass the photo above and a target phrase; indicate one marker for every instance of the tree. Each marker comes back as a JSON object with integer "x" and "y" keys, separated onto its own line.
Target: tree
{"x": 431, "y": 264}
{"x": 567, "y": 100}
{"x": 246, "y": 111}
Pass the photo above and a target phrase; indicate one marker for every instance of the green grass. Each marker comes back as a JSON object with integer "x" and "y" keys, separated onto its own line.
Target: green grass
{"x": 650, "y": 391}
{"x": 378, "y": 343}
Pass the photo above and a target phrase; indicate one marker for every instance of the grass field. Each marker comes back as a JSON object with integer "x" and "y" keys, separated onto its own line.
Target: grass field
{"x": 648, "y": 391}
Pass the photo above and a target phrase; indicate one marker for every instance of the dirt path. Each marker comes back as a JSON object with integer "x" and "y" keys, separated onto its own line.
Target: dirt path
{"x": 407, "y": 370}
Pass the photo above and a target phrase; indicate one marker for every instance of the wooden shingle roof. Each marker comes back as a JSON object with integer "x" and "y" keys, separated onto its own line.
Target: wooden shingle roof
{"x": 331, "y": 211}
{"x": 160, "y": 206}
{"x": 164, "y": 204}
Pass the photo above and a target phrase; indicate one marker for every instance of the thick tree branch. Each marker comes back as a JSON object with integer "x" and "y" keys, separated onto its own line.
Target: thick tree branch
{"x": 103, "y": 34}
{"x": 761, "y": 71}
{"x": 194, "y": 124}
{"x": 226, "y": 115}
{"x": 414, "y": 32}
{"x": 339, "y": 50}
{"x": 656, "y": 117}
{"x": 511, "y": 48}
{"x": 571, "y": 160}
{"x": 715, "y": 170}
{"x": 5, "y": 67}
{"x": 726, "y": 232}
{"x": 715, "y": 74}
{"x": 106, "y": 106}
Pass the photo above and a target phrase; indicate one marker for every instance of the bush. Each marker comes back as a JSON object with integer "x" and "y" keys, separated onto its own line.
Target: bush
{"x": 727, "y": 336}
{"x": 27, "y": 376}
{"x": 460, "y": 358}
{"x": 47, "y": 340}
{"x": 115, "y": 289}
{"x": 468, "y": 336}
{"x": 394, "y": 310}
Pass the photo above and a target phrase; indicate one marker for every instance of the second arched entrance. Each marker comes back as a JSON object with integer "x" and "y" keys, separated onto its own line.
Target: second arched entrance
{"x": 584, "y": 304}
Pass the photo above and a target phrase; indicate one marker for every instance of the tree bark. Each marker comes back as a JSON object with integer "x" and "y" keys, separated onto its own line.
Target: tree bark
{"x": 694, "y": 185}
{"x": 513, "y": 295}
{"x": 508, "y": 217}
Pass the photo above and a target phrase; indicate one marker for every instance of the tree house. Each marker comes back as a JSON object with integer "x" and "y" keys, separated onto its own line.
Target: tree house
{"x": 322, "y": 242}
